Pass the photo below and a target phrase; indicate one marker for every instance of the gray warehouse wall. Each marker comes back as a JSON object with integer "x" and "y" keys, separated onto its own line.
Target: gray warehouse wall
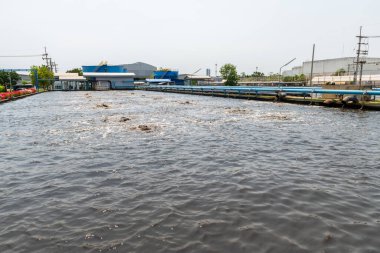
{"x": 141, "y": 70}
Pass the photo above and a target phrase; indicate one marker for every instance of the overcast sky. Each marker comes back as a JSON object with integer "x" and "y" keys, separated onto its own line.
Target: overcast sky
{"x": 185, "y": 35}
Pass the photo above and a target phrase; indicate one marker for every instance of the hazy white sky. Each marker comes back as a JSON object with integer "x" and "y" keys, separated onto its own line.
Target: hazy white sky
{"x": 185, "y": 35}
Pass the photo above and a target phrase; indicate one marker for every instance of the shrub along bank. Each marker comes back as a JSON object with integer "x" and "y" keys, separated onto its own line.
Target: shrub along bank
{"x": 17, "y": 93}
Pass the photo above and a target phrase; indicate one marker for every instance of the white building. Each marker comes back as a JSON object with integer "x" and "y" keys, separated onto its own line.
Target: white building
{"x": 373, "y": 80}
{"x": 328, "y": 67}
{"x": 68, "y": 81}
{"x": 25, "y": 77}
{"x": 190, "y": 79}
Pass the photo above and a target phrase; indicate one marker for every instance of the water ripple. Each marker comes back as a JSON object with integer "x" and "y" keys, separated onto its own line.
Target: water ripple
{"x": 149, "y": 172}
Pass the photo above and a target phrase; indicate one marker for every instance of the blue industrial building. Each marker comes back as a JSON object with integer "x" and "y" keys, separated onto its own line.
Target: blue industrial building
{"x": 173, "y": 78}
{"x": 169, "y": 75}
{"x": 105, "y": 77}
{"x": 105, "y": 68}
{"x": 162, "y": 74}
{"x": 117, "y": 77}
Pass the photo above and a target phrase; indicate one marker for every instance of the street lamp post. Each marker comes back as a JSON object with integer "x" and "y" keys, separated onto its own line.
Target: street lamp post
{"x": 279, "y": 77}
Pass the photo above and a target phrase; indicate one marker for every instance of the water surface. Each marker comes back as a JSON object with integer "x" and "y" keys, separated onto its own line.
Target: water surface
{"x": 205, "y": 175}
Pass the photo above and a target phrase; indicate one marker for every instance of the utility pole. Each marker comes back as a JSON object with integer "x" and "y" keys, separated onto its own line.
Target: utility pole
{"x": 55, "y": 67}
{"x": 358, "y": 54}
{"x": 312, "y": 67}
{"x": 50, "y": 65}
{"x": 361, "y": 73}
{"x": 45, "y": 57}
{"x": 358, "y": 60}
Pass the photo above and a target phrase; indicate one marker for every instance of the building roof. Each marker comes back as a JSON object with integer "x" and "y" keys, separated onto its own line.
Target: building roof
{"x": 194, "y": 77}
{"x": 23, "y": 73}
{"x": 139, "y": 65}
{"x": 342, "y": 59}
{"x": 65, "y": 74}
{"x": 158, "y": 80}
{"x": 72, "y": 78}
{"x": 108, "y": 74}
{"x": 69, "y": 76}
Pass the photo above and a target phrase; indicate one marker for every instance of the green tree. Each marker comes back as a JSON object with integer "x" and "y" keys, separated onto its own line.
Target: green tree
{"x": 288, "y": 78}
{"x": 4, "y": 78}
{"x": 45, "y": 76}
{"x": 340, "y": 72}
{"x": 301, "y": 78}
{"x": 272, "y": 77}
{"x": 296, "y": 78}
{"x": 76, "y": 70}
{"x": 229, "y": 73}
{"x": 257, "y": 74}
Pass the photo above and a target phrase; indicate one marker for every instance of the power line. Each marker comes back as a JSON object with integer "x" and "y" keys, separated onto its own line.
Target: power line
{"x": 50, "y": 64}
{"x": 360, "y": 54}
{"x": 45, "y": 57}
{"x": 30, "y": 55}
{"x": 49, "y": 61}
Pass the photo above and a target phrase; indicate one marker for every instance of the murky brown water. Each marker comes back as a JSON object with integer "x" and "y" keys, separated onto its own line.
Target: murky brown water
{"x": 183, "y": 173}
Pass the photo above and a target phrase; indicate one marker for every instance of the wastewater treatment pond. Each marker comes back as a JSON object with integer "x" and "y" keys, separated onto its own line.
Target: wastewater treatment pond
{"x": 137, "y": 171}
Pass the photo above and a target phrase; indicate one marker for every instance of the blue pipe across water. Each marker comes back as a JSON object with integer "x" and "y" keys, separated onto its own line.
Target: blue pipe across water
{"x": 301, "y": 90}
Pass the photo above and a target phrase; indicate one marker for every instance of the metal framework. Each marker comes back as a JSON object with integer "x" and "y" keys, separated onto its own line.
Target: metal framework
{"x": 359, "y": 53}
{"x": 240, "y": 89}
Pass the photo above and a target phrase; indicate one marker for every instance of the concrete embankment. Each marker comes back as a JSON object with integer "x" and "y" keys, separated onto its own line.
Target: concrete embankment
{"x": 288, "y": 95}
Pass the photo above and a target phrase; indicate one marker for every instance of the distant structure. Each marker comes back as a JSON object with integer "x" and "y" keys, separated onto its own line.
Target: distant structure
{"x": 373, "y": 80}
{"x": 165, "y": 76}
{"x": 190, "y": 79}
{"x": 69, "y": 81}
{"x": 142, "y": 70}
{"x": 105, "y": 77}
{"x": 123, "y": 76}
{"x": 329, "y": 67}
{"x": 25, "y": 77}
